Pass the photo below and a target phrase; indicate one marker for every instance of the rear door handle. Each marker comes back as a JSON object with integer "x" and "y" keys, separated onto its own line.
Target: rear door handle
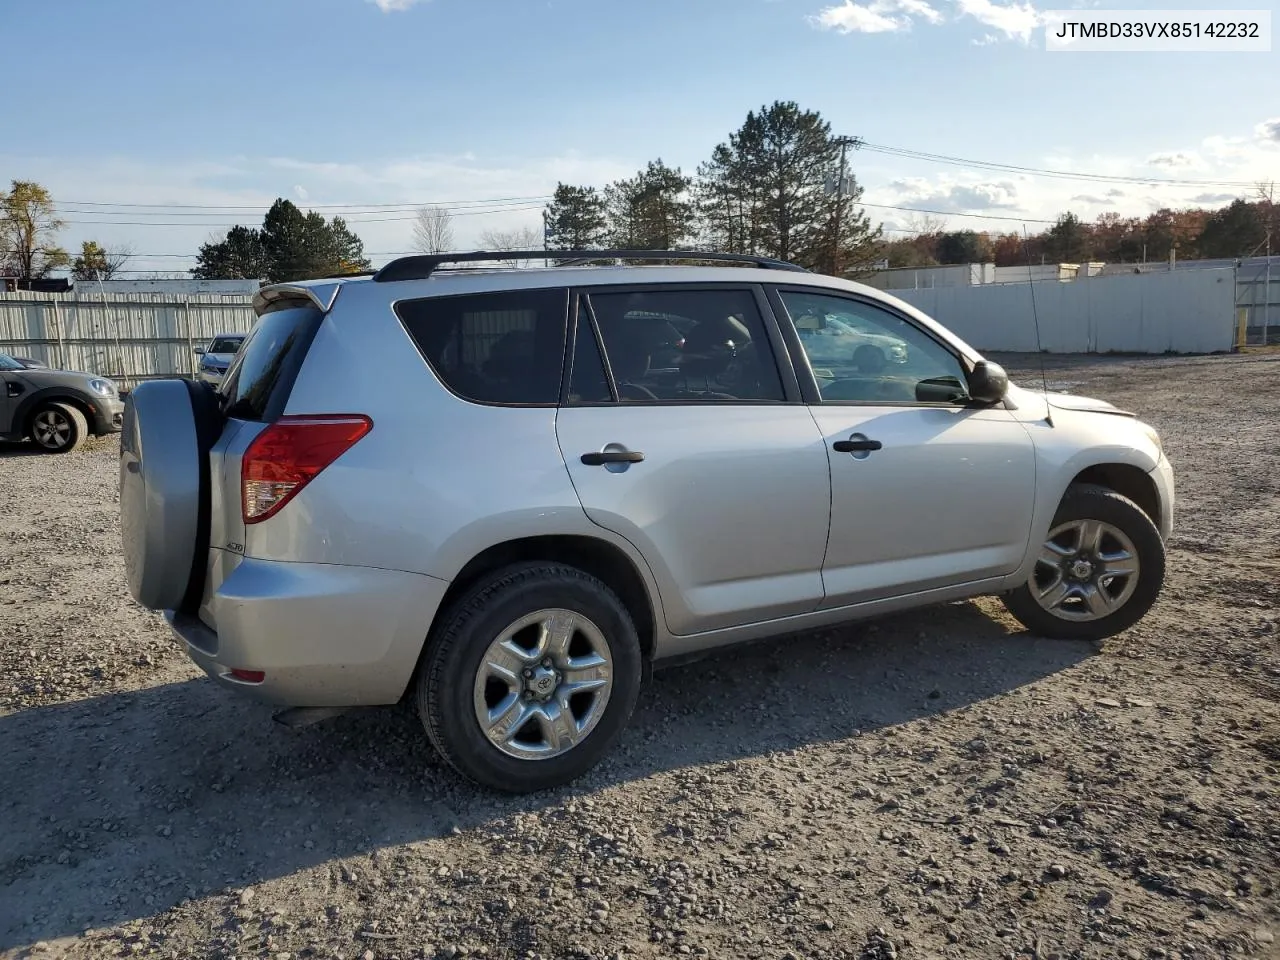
{"x": 600, "y": 458}
{"x": 856, "y": 446}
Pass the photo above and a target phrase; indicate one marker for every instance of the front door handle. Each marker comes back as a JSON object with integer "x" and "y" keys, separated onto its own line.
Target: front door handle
{"x": 600, "y": 458}
{"x": 862, "y": 445}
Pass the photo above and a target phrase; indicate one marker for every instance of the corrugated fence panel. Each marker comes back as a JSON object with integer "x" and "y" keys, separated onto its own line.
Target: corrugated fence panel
{"x": 129, "y": 337}
{"x": 1188, "y": 312}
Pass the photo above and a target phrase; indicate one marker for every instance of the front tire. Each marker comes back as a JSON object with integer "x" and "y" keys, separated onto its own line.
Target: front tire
{"x": 58, "y": 428}
{"x": 530, "y": 677}
{"x": 1098, "y": 572}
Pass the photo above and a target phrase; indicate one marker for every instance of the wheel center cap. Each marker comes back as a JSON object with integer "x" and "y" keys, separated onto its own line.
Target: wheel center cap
{"x": 1081, "y": 569}
{"x": 543, "y": 682}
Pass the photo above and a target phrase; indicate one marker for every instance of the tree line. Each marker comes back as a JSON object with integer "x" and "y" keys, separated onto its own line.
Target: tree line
{"x": 1239, "y": 229}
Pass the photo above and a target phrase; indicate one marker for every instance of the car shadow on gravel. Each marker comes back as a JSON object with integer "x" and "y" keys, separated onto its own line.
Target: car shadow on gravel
{"x": 119, "y": 807}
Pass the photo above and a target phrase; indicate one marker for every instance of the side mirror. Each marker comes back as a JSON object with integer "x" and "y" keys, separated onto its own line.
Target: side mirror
{"x": 988, "y": 383}
{"x": 198, "y": 351}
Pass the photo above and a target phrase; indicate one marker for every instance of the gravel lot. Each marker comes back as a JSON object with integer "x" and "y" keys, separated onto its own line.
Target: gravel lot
{"x": 931, "y": 785}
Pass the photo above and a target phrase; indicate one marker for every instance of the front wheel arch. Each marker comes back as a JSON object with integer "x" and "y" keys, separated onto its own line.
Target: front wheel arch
{"x": 1125, "y": 479}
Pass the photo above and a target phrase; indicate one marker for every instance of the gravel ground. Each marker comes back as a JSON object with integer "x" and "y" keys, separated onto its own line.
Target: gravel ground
{"x": 937, "y": 784}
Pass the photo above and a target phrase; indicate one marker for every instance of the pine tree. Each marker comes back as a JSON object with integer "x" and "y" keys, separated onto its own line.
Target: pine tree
{"x": 575, "y": 218}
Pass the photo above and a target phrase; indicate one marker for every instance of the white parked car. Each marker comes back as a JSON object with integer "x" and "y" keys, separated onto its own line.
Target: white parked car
{"x": 477, "y": 489}
{"x": 216, "y": 356}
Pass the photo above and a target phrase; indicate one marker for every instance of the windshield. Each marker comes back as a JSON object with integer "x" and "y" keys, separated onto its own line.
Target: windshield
{"x": 8, "y": 363}
{"x": 225, "y": 345}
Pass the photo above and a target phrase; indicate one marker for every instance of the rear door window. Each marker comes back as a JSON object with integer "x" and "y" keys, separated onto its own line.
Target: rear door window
{"x": 685, "y": 345}
{"x": 258, "y": 382}
{"x": 500, "y": 348}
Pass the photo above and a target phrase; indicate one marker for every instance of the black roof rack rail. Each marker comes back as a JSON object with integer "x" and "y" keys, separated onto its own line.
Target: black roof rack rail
{"x": 421, "y": 266}
{"x": 349, "y": 274}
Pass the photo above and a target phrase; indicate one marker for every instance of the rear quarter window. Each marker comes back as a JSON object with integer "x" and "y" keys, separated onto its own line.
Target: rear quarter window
{"x": 500, "y": 348}
{"x": 257, "y": 385}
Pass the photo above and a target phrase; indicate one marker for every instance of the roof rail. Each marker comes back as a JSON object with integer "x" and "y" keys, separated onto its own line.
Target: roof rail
{"x": 422, "y": 266}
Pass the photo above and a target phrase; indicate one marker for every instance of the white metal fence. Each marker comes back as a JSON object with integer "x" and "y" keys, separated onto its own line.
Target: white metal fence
{"x": 1192, "y": 311}
{"x": 137, "y": 336}
{"x": 128, "y": 337}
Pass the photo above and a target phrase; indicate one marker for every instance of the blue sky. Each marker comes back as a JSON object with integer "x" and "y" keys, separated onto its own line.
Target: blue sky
{"x": 399, "y": 102}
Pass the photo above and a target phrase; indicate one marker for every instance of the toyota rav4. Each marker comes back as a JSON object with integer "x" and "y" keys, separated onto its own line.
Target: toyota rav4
{"x": 476, "y": 488}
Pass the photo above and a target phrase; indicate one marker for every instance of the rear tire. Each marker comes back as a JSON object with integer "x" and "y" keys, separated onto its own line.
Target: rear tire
{"x": 1078, "y": 589}
{"x": 58, "y": 428}
{"x": 550, "y": 712}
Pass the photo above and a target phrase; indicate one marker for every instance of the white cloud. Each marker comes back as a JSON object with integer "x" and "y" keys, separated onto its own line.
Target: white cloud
{"x": 878, "y": 16}
{"x": 300, "y": 191}
{"x": 1014, "y": 20}
{"x": 1173, "y": 160}
{"x": 1269, "y": 130}
{"x": 1214, "y": 199}
{"x": 394, "y": 6}
{"x": 1010, "y": 20}
{"x": 950, "y": 195}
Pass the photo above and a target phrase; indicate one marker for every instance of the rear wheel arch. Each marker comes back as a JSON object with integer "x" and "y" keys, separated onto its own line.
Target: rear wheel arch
{"x": 599, "y": 558}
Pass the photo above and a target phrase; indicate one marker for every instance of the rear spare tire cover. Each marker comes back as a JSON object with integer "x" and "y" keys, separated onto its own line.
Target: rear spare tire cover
{"x": 164, "y": 489}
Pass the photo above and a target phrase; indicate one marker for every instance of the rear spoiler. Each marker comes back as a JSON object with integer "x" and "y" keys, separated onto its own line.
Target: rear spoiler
{"x": 277, "y": 296}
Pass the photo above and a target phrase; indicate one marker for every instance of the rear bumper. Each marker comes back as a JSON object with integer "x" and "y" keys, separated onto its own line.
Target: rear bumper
{"x": 323, "y": 635}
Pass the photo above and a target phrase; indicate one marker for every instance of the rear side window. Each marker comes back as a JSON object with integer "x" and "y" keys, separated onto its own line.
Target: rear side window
{"x": 257, "y": 385}
{"x": 505, "y": 348}
{"x": 686, "y": 346}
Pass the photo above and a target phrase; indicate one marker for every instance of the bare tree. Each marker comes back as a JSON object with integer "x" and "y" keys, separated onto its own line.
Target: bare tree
{"x": 433, "y": 230}
{"x": 924, "y": 225}
{"x": 521, "y": 238}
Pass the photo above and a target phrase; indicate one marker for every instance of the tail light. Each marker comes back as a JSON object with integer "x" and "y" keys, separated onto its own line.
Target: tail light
{"x": 289, "y": 454}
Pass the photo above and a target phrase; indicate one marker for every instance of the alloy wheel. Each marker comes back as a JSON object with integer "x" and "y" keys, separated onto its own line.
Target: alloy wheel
{"x": 543, "y": 684}
{"x": 1086, "y": 570}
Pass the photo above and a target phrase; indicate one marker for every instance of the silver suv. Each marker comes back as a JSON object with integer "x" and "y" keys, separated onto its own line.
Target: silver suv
{"x": 505, "y": 493}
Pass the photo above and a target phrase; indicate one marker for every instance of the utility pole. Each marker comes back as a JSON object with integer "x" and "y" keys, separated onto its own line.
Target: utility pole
{"x": 1268, "y": 197}
{"x": 844, "y": 143}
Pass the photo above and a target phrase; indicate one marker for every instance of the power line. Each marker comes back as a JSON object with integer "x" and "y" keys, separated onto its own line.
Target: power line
{"x": 317, "y": 206}
{"x": 367, "y": 210}
{"x": 235, "y": 223}
{"x": 952, "y": 213}
{"x": 1042, "y": 172}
